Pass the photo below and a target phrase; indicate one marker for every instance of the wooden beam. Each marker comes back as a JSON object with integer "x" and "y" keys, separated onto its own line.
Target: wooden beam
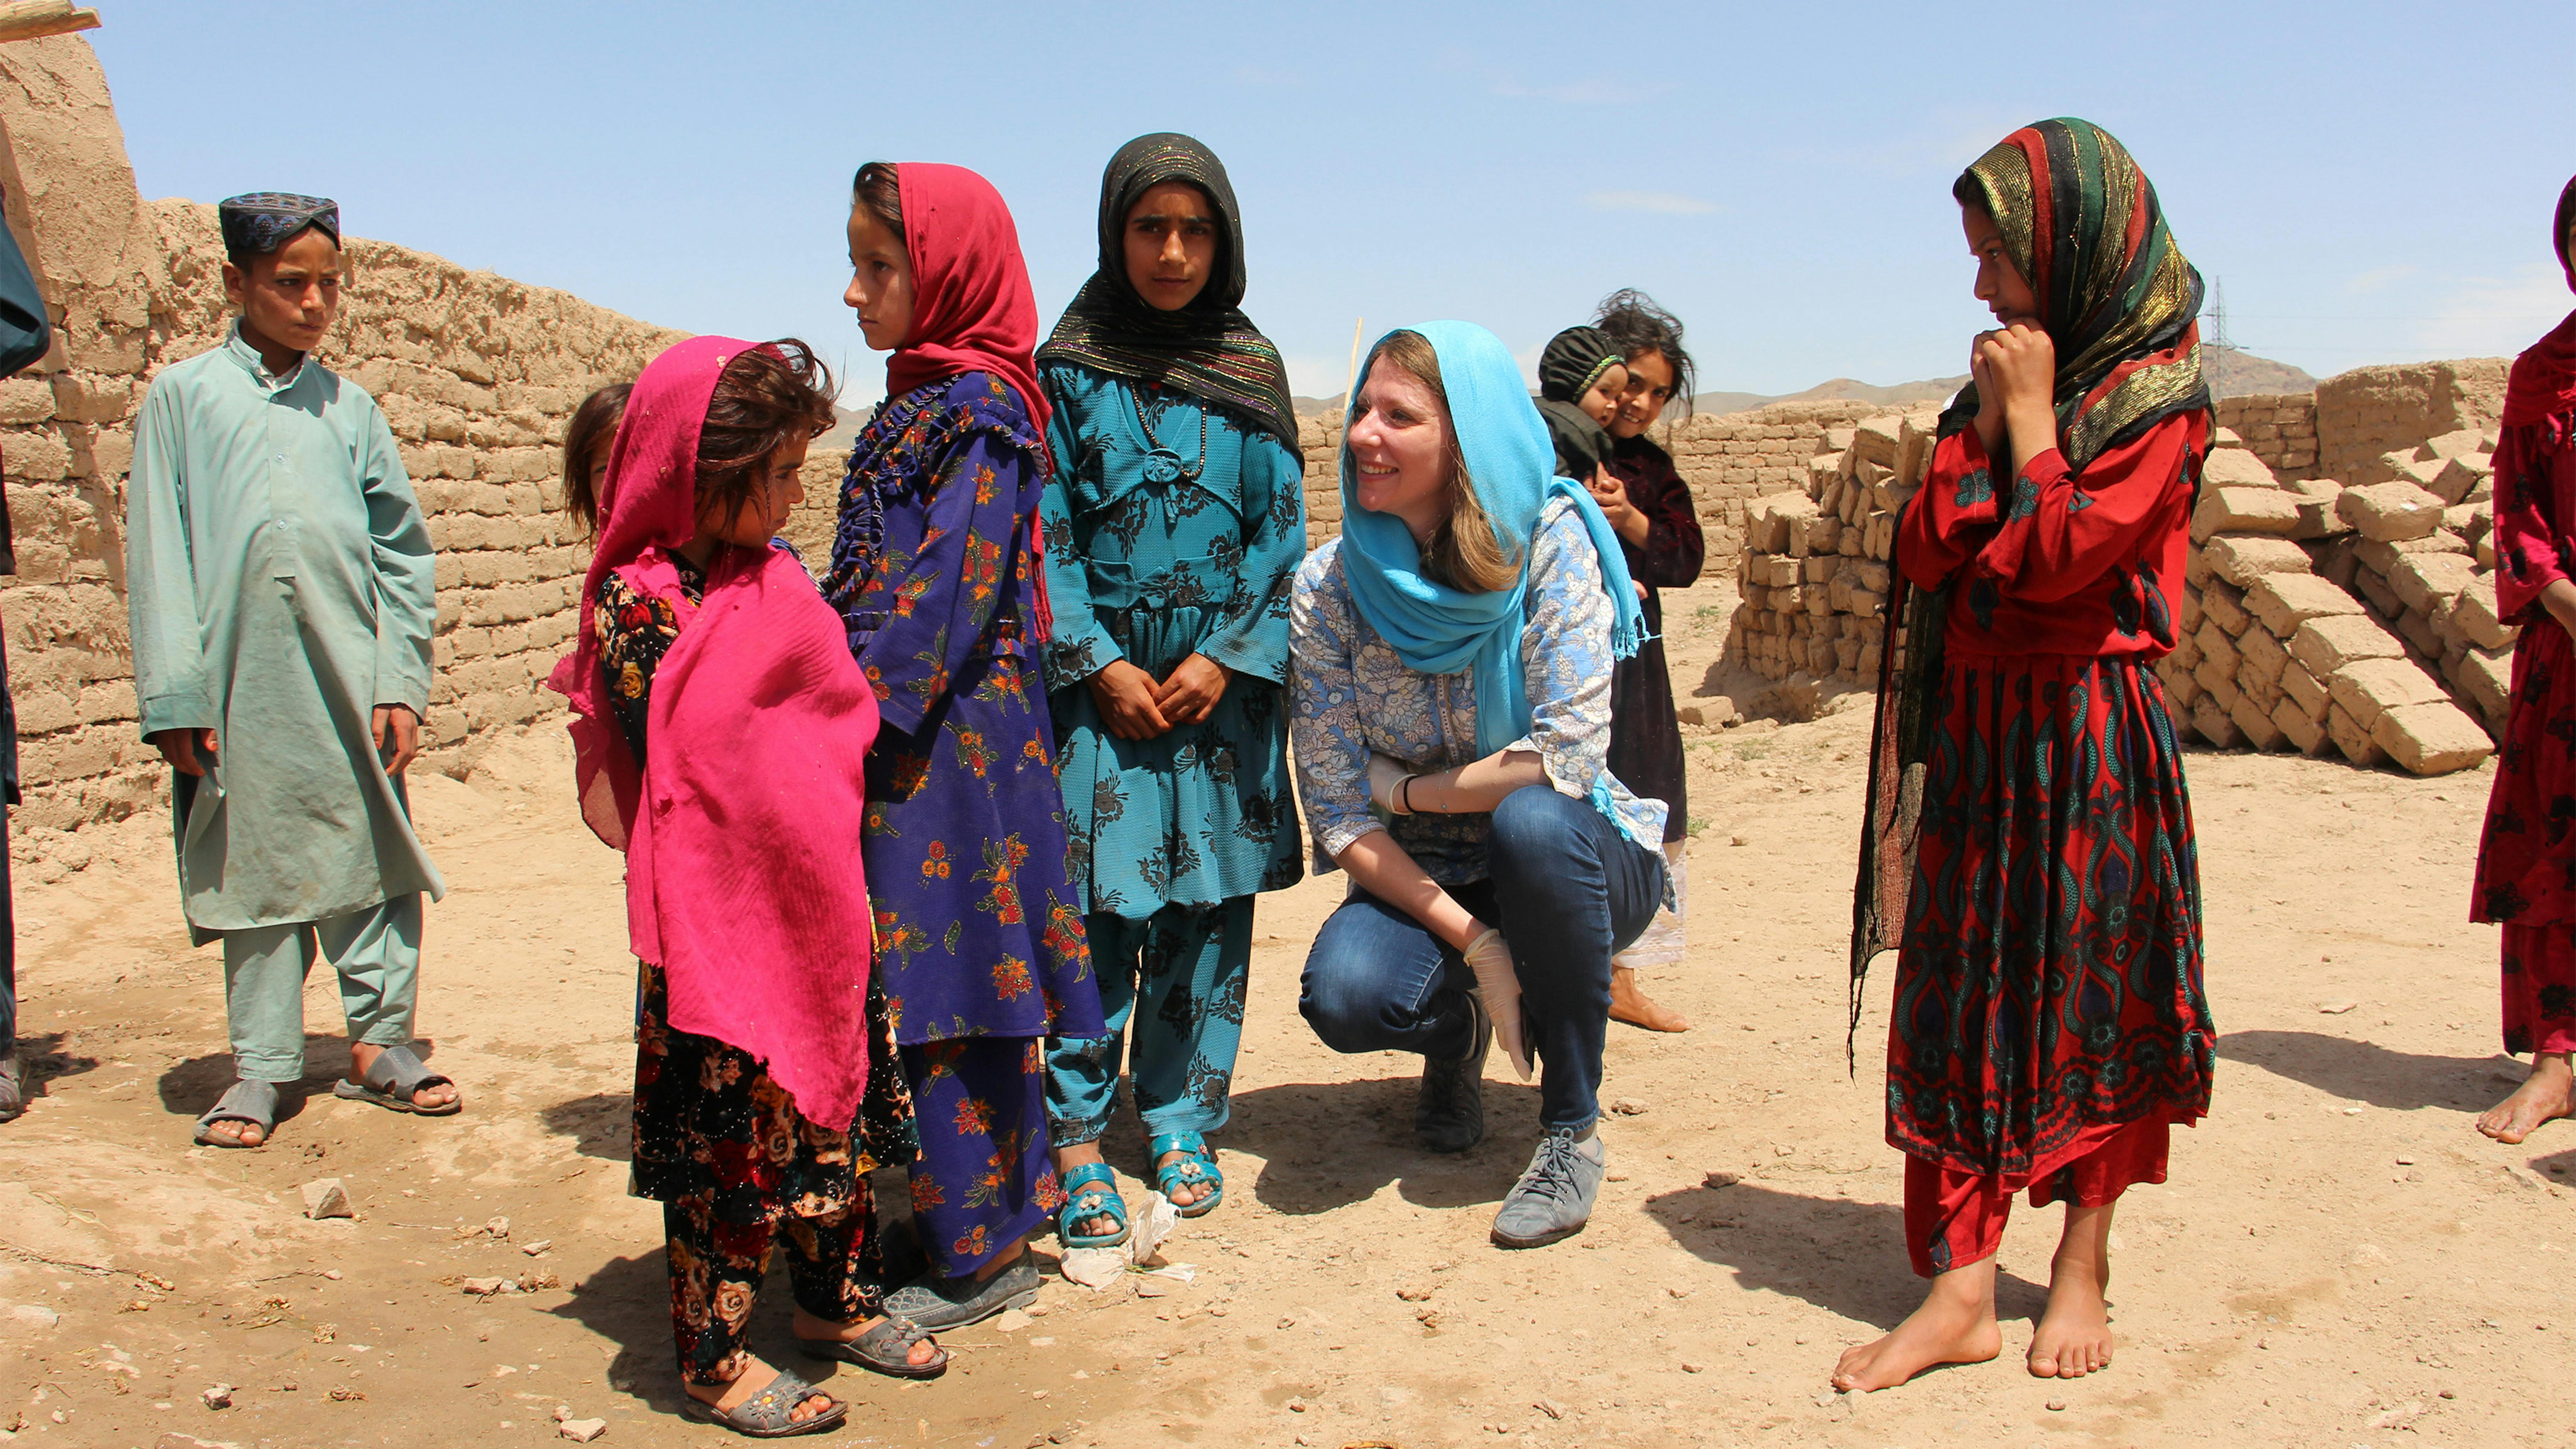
{"x": 27, "y": 19}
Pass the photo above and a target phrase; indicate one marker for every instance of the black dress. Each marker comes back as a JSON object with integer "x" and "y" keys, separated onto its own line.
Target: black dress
{"x": 1645, "y": 738}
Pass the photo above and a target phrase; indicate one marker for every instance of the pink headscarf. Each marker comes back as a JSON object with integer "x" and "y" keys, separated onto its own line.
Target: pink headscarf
{"x": 972, "y": 311}
{"x": 743, "y": 879}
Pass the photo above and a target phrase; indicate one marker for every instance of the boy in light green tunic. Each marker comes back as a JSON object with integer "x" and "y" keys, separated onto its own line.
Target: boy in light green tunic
{"x": 279, "y": 584}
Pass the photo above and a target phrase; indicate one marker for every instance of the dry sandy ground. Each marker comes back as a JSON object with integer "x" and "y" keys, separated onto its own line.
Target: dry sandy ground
{"x": 2340, "y": 1256}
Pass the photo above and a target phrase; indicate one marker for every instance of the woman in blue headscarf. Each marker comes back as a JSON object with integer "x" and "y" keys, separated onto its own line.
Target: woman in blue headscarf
{"x": 1450, "y": 659}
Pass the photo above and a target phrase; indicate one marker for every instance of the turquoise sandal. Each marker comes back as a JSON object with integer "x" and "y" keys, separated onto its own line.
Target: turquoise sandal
{"x": 1198, "y": 1170}
{"x": 1092, "y": 1192}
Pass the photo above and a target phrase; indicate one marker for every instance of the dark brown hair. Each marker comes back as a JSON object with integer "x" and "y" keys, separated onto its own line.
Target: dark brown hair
{"x": 1637, "y": 326}
{"x": 586, "y": 440}
{"x": 766, "y": 398}
{"x": 1463, "y": 552}
{"x": 880, "y": 192}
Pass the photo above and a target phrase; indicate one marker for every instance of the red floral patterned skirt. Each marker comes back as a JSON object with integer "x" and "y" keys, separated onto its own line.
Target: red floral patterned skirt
{"x": 2526, "y": 878}
{"x": 2049, "y": 981}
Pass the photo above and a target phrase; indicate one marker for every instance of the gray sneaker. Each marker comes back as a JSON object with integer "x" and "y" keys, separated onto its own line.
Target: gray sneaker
{"x": 1554, "y": 1198}
{"x": 1450, "y": 1114}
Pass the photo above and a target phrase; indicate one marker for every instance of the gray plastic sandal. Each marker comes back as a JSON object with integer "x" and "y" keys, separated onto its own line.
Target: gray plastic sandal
{"x": 886, "y": 1348}
{"x": 765, "y": 1415}
{"x": 395, "y": 1078}
{"x": 13, "y": 1090}
{"x": 245, "y": 1101}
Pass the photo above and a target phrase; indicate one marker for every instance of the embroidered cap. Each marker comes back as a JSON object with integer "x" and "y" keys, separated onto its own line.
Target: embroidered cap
{"x": 261, "y": 222}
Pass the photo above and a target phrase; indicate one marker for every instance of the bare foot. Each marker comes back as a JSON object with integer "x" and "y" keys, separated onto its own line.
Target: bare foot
{"x": 1956, "y": 1324}
{"x": 2548, "y": 1093}
{"x": 806, "y": 1325}
{"x": 755, "y": 1377}
{"x": 2074, "y": 1334}
{"x": 237, "y": 1133}
{"x": 1632, "y": 1005}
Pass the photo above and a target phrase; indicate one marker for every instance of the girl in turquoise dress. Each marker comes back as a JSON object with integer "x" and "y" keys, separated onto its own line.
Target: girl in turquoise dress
{"x": 1174, "y": 522}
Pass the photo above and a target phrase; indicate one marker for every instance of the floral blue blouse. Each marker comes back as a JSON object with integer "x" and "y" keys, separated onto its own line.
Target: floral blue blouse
{"x": 1352, "y": 696}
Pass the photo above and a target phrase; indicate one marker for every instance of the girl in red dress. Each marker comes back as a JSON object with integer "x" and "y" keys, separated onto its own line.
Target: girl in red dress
{"x": 2029, "y": 842}
{"x": 2527, "y": 857}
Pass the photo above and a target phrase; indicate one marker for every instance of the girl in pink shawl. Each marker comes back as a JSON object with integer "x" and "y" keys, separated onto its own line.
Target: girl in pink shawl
{"x": 721, "y": 731}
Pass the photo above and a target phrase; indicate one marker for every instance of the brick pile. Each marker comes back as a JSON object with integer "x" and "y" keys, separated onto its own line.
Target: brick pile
{"x": 2277, "y": 655}
{"x": 476, "y": 374}
{"x": 2278, "y": 427}
{"x": 1814, "y": 568}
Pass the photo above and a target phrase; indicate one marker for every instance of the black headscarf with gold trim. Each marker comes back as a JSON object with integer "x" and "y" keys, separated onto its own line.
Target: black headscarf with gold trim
{"x": 1208, "y": 349}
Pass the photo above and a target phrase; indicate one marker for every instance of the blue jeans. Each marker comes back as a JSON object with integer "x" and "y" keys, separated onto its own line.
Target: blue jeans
{"x": 1566, "y": 889}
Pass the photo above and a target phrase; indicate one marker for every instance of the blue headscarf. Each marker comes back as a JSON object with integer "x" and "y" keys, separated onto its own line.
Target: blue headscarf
{"x": 1440, "y": 630}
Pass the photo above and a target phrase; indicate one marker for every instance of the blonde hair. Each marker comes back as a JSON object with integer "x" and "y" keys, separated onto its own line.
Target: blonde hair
{"x": 1463, "y": 551}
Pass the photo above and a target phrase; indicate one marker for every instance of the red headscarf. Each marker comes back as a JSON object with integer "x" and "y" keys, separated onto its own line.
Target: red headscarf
{"x": 2543, "y": 383}
{"x": 743, "y": 879}
{"x": 972, "y": 311}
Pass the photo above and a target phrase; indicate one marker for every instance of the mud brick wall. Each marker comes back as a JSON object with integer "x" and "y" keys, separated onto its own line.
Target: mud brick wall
{"x": 477, "y": 375}
{"x": 1814, "y": 561}
{"x": 2279, "y": 428}
{"x": 2369, "y": 412}
{"x": 1728, "y": 460}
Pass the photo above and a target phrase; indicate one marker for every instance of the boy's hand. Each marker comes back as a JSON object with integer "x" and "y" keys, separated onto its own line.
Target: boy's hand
{"x": 180, "y": 748}
{"x": 403, "y": 727}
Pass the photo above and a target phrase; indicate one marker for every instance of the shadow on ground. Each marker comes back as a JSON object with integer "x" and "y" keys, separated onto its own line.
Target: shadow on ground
{"x": 1845, "y": 1257}
{"x": 2361, "y": 1071}
{"x": 1327, "y": 1145}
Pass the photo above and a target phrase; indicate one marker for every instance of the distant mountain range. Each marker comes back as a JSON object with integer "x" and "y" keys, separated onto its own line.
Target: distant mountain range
{"x": 2232, "y": 373}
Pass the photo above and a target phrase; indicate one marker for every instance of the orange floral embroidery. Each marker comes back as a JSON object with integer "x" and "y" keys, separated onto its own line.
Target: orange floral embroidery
{"x": 1011, "y": 979}
{"x": 925, "y": 1193}
{"x": 974, "y": 1117}
{"x": 934, "y": 866}
{"x": 974, "y": 1243}
{"x": 974, "y": 754}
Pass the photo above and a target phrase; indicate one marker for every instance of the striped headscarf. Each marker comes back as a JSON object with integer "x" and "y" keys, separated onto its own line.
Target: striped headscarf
{"x": 2121, "y": 303}
{"x": 1208, "y": 350}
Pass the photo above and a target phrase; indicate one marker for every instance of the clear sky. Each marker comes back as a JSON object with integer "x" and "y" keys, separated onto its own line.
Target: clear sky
{"x": 2371, "y": 181}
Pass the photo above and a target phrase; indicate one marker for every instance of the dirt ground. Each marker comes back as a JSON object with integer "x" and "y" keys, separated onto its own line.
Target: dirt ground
{"x": 2339, "y": 1255}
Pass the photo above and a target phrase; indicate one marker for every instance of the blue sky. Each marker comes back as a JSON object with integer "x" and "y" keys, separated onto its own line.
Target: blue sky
{"x": 2370, "y": 187}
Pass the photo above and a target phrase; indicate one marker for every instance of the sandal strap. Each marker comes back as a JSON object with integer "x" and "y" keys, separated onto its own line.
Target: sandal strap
{"x": 245, "y": 1101}
{"x": 399, "y": 1071}
{"x": 772, "y": 1406}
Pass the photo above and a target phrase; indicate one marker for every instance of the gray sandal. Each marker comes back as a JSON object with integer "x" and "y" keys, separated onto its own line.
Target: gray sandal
{"x": 13, "y": 1092}
{"x": 393, "y": 1081}
{"x": 886, "y": 1348}
{"x": 245, "y": 1101}
{"x": 765, "y": 1414}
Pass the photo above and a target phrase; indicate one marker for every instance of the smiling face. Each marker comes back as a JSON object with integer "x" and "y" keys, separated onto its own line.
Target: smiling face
{"x": 1171, "y": 244}
{"x": 288, "y": 297}
{"x": 1400, "y": 449}
{"x": 773, "y": 497}
{"x": 1600, "y": 402}
{"x": 2000, "y": 284}
{"x": 1650, "y": 387}
{"x": 880, "y": 281}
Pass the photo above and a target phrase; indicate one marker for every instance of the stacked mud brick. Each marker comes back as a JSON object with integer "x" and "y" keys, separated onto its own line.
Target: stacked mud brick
{"x": 1729, "y": 460}
{"x": 1814, "y": 569}
{"x": 476, "y": 374}
{"x": 2276, "y": 654}
{"x": 2279, "y": 428}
